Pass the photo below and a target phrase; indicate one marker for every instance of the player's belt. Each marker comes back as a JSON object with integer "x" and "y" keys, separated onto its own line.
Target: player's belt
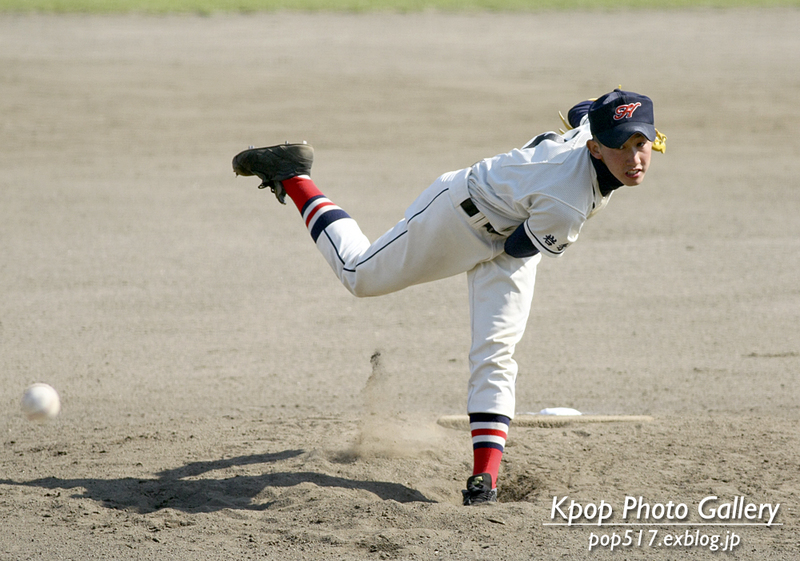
{"x": 469, "y": 207}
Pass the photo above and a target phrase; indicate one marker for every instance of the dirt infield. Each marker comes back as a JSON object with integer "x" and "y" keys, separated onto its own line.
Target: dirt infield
{"x": 214, "y": 375}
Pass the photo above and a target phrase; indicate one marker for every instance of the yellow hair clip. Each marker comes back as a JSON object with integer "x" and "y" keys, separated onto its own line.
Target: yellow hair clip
{"x": 660, "y": 143}
{"x": 566, "y": 124}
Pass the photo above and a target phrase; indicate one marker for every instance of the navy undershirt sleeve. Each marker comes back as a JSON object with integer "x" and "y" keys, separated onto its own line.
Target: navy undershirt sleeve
{"x": 577, "y": 112}
{"x": 518, "y": 244}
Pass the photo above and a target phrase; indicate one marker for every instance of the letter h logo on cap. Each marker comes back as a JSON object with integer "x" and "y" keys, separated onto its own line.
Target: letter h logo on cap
{"x": 626, "y": 111}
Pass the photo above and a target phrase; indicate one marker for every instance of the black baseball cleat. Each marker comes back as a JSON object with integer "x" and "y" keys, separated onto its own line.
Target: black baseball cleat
{"x": 273, "y": 164}
{"x": 479, "y": 490}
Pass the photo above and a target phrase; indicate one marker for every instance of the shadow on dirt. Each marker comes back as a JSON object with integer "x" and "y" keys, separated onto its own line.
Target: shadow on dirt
{"x": 248, "y": 492}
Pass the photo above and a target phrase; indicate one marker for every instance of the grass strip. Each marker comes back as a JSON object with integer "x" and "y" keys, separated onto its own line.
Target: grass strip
{"x": 402, "y": 6}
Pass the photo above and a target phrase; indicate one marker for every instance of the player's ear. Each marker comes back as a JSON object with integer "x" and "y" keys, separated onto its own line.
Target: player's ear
{"x": 594, "y": 148}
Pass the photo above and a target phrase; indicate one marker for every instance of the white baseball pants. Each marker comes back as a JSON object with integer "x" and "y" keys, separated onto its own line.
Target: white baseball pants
{"x": 438, "y": 239}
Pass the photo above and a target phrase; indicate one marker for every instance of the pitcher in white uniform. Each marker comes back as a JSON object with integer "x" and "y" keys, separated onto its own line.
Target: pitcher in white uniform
{"x": 492, "y": 221}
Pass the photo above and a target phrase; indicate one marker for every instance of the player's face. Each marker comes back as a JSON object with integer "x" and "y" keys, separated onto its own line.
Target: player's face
{"x": 629, "y": 163}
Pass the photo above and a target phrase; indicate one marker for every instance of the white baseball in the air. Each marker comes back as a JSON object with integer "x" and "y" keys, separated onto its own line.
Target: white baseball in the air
{"x": 40, "y": 402}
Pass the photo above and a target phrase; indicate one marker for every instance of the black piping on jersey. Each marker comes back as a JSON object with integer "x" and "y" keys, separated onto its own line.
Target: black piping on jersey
{"x": 390, "y": 242}
{"x": 333, "y": 245}
{"x": 552, "y": 136}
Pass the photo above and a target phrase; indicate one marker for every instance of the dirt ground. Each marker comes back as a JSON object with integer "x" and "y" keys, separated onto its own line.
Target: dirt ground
{"x": 214, "y": 374}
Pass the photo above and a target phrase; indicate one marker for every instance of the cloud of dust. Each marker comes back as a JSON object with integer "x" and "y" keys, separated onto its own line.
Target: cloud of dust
{"x": 383, "y": 432}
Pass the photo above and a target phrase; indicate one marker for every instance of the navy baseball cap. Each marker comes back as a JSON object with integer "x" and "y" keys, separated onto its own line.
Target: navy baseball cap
{"x": 616, "y": 116}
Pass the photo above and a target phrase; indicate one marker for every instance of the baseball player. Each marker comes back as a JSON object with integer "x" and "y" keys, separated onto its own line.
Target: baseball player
{"x": 494, "y": 221}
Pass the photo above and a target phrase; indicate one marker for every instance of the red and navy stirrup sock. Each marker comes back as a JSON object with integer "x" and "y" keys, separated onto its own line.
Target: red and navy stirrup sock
{"x": 317, "y": 210}
{"x": 489, "y": 433}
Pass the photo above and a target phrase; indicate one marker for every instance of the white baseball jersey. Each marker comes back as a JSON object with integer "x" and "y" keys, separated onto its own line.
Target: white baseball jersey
{"x": 551, "y": 187}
